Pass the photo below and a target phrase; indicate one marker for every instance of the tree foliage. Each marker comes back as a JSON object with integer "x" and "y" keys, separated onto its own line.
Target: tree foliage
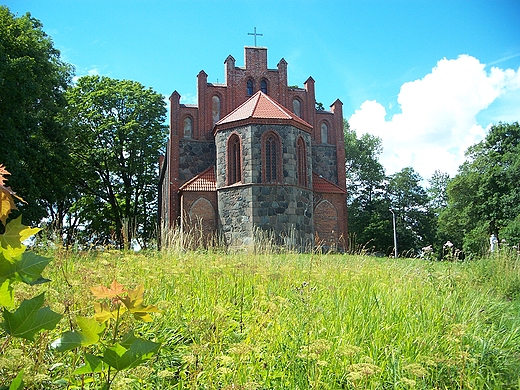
{"x": 415, "y": 221}
{"x": 33, "y": 144}
{"x": 119, "y": 132}
{"x": 368, "y": 203}
{"x": 484, "y": 197}
{"x": 371, "y": 196}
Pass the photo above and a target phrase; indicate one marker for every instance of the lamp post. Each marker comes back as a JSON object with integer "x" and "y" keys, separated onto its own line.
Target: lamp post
{"x": 395, "y": 234}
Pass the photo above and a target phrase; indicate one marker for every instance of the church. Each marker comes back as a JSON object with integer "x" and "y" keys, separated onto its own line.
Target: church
{"x": 255, "y": 158}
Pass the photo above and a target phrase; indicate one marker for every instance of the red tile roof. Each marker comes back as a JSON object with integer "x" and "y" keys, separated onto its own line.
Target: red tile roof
{"x": 204, "y": 181}
{"x": 263, "y": 109}
{"x": 320, "y": 184}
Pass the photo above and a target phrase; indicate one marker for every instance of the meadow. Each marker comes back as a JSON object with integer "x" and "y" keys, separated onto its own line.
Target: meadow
{"x": 291, "y": 321}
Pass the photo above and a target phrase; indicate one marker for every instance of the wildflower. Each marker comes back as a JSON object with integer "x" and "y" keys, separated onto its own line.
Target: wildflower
{"x": 408, "y": 382}
{"x": 349, "y": 350}
{"x": 361, "y": 370}
{"x": 166, "y": 374}
{"x": 416, "y": 369}
{"x": 427, "y": 249}
{"x": 448, "y": 244}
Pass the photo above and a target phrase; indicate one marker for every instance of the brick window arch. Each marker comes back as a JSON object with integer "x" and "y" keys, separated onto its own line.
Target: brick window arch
{"x": 324, "y": 127}
{"x": 188, "y": 127}
{"x": 297, "y": 107}
{"x": 301, "y": 157}
{"x": 263, "y": 86}
{"x": 271, "y": 158}
{"x": 250, "y": 87}
{"x": 234, "y": 160}
{"x": 215, "y": 108}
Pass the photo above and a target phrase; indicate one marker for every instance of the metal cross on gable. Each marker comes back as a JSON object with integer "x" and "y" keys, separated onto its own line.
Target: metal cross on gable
{"x": 255, "y": 34}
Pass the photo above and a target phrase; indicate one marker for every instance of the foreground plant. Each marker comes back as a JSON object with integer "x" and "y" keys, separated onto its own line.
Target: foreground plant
{"x": 115, "y": 351}
{"x": 19, "y": 265}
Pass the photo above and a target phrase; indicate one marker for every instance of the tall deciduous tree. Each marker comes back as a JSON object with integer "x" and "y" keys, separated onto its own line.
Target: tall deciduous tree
{"x": 368, "y": 203}
{"x": 119, "y": 127}
{"x": 484, "y": 197}
{"x": 33, "y": 144}
{"x": 414, "y": 220}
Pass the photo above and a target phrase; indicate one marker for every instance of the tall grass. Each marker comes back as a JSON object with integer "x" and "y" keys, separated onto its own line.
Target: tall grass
{"x": 253, "y": 320}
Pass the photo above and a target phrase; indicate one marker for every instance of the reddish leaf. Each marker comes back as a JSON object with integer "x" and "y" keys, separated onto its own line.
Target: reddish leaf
{"x": 113, "y": 291}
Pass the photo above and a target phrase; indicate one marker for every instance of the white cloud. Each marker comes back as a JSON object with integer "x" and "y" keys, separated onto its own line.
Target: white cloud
{"x": 438, "y": 115}
{"x": 94, "y": 71}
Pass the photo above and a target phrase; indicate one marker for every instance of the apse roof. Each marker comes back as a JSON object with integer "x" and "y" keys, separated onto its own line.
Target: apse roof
{"x": 261, "y": 108}
{"x": 204, "y": 181}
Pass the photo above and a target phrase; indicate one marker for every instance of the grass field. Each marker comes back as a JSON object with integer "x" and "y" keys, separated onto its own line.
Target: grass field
{"x": 294, "y": 321}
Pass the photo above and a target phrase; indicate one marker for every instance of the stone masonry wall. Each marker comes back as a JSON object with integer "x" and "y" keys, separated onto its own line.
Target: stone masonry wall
{"x": 324, "y": 162}
{"x": 194, "y": 158}
{"x": 235, "y": 215}
{"x": 286, "y": 213}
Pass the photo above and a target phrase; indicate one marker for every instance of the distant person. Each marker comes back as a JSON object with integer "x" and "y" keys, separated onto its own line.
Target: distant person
{"x": 493, "y": 242}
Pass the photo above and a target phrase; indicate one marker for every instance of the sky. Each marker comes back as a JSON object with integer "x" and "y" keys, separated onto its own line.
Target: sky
{"x": 427, "y": 77}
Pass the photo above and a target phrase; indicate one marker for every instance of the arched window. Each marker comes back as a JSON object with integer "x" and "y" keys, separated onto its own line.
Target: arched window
{"x": 272, "y": 158}
{"x": 215, "y": 108}
{"x": 249, "y": 87}
{"x": 297, "y": 107}
{"x": 188, "y": 127}
{"x": 263, "y": 86}
{"x": 301, "y": 162}
{"x": 234, "y": 159}
{"x": 324, "y": 133}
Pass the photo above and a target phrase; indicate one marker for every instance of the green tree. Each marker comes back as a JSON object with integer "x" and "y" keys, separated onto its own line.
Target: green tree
{"x": 368, "y": 203}
{"x": 120, "y": 130}
{"x": 484, "y": 197}
{"x": 415, "y": 221}
{"x": 33, "y": 143}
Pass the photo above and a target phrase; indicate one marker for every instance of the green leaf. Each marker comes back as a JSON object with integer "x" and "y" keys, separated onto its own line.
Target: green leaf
{"x": 92, "y": 364}
{"x": 30, "y": 318}
{"x": 31, "y": 266}
{"x": 26, "y": 269}
{"x": 68, "y": 340}
{"x": 89, "y": 333}
{"x": 12, "y": 254}
{"x": 90, "y": 329}
{"x": 138, "y": 351}
{"x": 15, "y": 233}
{"x": 6, "y": 293}
{"x": 17, "y": 383}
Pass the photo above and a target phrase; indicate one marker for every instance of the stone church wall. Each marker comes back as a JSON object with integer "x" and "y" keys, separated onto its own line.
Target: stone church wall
{"x": 285, "y": 212}
{"x": 324, "y": 159}
{"x": 194, "y": 158}
{"x": 235, "y": 215}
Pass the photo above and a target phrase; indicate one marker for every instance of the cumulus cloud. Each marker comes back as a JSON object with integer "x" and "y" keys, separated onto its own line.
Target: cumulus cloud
{"x": 437, "y": 121}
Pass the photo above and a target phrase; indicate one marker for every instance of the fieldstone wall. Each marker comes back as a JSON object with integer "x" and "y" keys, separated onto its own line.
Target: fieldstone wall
{"x": 285, "y": 213}
{"x": 194, "y": 157}
{"x": 324, "y": 162}
{"x": 235, "y": 215}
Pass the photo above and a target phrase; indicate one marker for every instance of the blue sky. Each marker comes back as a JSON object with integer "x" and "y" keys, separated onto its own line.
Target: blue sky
{"x": 428, "y": 77}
